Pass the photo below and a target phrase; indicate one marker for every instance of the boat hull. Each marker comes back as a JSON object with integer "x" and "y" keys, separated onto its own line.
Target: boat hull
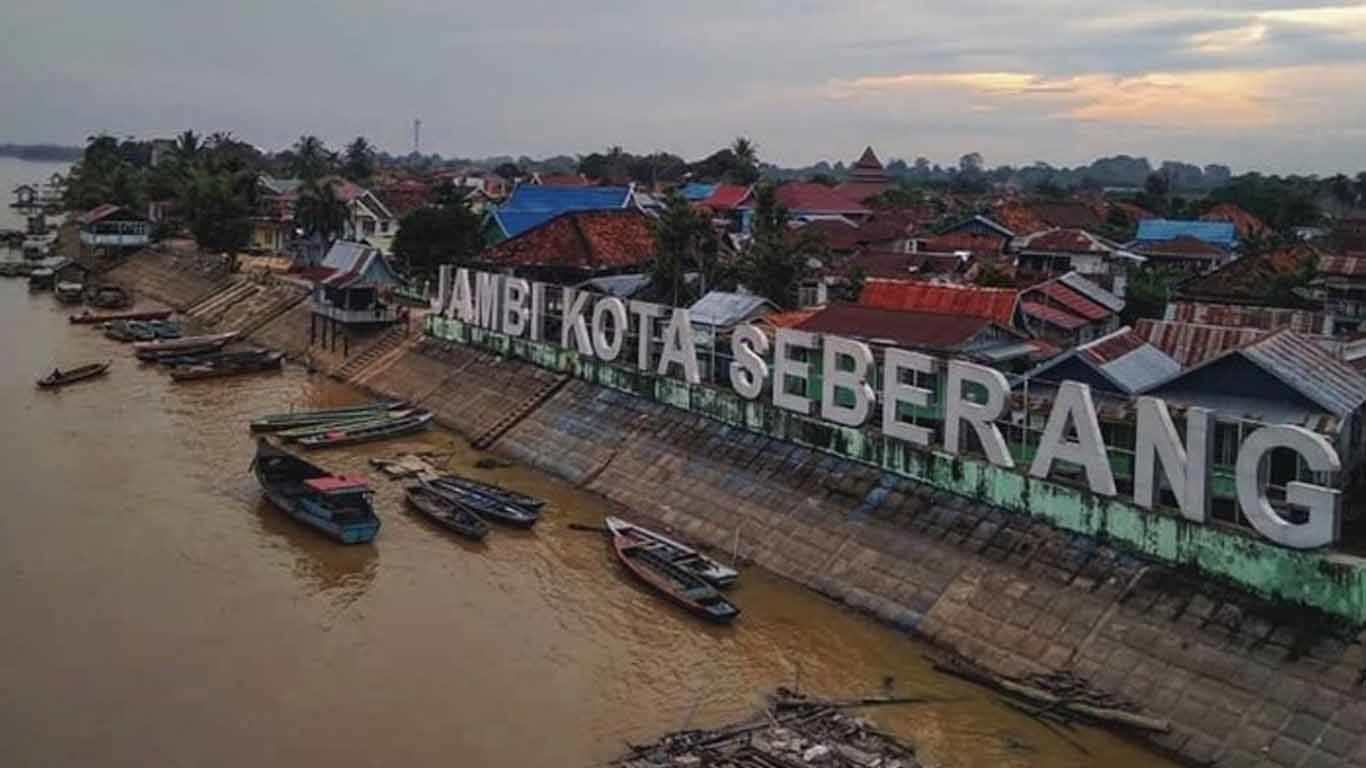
{"x": 685, "y": 590}
{"x": 346, "y": 533}
{"x": 85, "y": 373}
{"x": 716, "y": 574}
{"x": 403, "y": 427}
{"x": 305, "y": 502}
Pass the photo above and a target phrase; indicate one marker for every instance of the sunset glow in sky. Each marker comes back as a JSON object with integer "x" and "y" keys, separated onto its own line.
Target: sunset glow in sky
{"x": 1276, "y": 86}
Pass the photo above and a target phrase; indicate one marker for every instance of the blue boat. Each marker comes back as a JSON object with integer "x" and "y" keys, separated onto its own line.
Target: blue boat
{"x": 340, "y": 506}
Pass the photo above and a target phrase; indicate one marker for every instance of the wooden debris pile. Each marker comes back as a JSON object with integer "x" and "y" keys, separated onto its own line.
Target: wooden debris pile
{"x": 419, "y": 465}
{"x": 794, "y": 731}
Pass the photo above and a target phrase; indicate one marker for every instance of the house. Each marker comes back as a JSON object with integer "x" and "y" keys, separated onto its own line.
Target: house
{"x": 1057, "y": 251}
{"x": 981, "y": 226}
{"x": 575, "y": 246}
{"x": 1184, "y": 253}
{"x": 531, "y": 205}
{"x": 368, "y": 219}
{"x": 720, "y": 311}
{"x": 25, "y": 196}
{"x": 1119, "y": 364}
{"x": 1256, "y": 291}
{"x": 945, "y": 335}
{"x": 1069, "y": 310}
{"x": 1350, "y": 230}
{"x": 1340, "y": 283}
{"x": 1281, "y": 378}
{"x": 697, "y": 191}
{"x": 113, "y": 226}
{"x": 1222, "y": 234}
{"x": 807, "y": 201}
{"x": 996, "y": 304}
{"x": 351, "y": 286}
{"x": 404, "y": 196}
{"x": 272, "y": 223}
{"x": 1191, "y": 344}
{"x": 867, "y": 178}
{"x": 1245, "y": 225}
{"x": 560, "y": 180}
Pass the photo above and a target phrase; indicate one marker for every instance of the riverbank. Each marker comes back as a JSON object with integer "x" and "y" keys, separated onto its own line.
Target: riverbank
{"x": 148, "y": 580}
{"x": 1242, "y": 680}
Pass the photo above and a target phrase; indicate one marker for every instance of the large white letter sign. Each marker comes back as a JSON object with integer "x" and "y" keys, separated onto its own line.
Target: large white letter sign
{"x": 573, "y": 303}
{"x": 1323, "y": 504}
{"x": 537, "y": 311}
{"x": 462, "y": 298}
{"x": 784, "y": 367}
{"x": 679, "y": 347}
{"x": 515, "y": 294}
{"x": 894, "y": 361}
{"x": 443, "y": 289}
{"x": 1073, "y": 405}
{"x": 855, "y": 381}
{"x": 608, "y": 346}
{"x": 486, "y": 297}
{"x": 1186, "y": 468}
{"x": 749, "y": 371}
{"x": 646, "y": 314}
{"x": 981, "y": 416}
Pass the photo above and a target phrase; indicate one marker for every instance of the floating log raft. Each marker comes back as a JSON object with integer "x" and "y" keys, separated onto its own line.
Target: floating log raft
{"x": 793, "y": 731}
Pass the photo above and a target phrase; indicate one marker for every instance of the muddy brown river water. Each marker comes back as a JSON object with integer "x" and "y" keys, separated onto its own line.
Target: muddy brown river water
{"x": 156, "y": 611}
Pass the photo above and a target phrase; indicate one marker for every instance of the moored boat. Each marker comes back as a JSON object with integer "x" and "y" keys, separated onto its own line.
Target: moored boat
{"x": 90, "y": 318}
{"x": 487, "y": 506}
{"x": 309, "y": 430}
{"x": 111, "y": 297}
{"x": 151, "y": 350}
{"x": 69, "y": 293}
{"x": 647, "y": 561}
{"x": 60, "y": 378}
{"x": 119, "y": 330}
{"x": 278, "y": 421}
{"x": 41, "y": 279}
{"x": 681, "y": 555}
{"x": 446, "y": 512}
{"x": 407, "y": 425}
{"x": 340, "y": 506}
{"x": 238, "y": 366}
{"x": 495, "y": 491}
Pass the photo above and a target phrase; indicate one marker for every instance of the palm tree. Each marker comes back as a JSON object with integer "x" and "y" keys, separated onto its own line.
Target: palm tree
{"x": 746, "y": 152}
{"x": 187, "y": 149}
{"x": 321, "y": 212}
{"x": 359, "y": 160}
{"x": 312, "y": 159}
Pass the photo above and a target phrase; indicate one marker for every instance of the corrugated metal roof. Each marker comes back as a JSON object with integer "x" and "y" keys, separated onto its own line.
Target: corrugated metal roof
{"x": 623, "y": 286}
{"x": 694, "y": 191}
{"x": 1222, "y": 233}
{"x": 531, "y": 205}
{"x": 997, "y": 304}
{"x": 723, "y": 309}
{"x": 1239, "y": 316}
{"x": 1122, "y": 358}
{"x": 1074, "y": 302}
{"x": 915, "y": 330}
{"x": 1342, "y": 266}
{"x": 1194, "y": 343}
{"x": 1092, "y": 291}
{"x": 1061, "y": 319}
{"x": 1303, "y": 365}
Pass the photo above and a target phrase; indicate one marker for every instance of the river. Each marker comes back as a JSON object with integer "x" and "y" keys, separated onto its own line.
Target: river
{"x": 14, "y": 172}
{"x": 159, "y": 612}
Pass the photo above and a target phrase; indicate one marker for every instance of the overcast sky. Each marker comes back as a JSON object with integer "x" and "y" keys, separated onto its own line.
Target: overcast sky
{"x": 1276, "y": 86}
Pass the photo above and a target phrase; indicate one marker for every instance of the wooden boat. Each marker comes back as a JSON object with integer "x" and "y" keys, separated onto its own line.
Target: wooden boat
{"x": 278, "y": 421}
{"x": 211, "y": 356}
{"x": 111, "y": 297}
{"x": 119, "y": 330}
{"x": 495, "y": 491}
{"x": 352, "y": 436}
{"x": 141, "y": 331}
{"x": 69, "y": 293}
{"x": 488, "y": 507}
{"x": 165, "y": 329}
{"x": 681, "y": 555}
{"x": 14, "y": 268}
{"x": 90, "y": 318}
{"x": 41, "y": 279}
{"x": 309, "y": 430}
{"x": 240, "y": 366}
{"x": 445, "y": 512}
{"x": 60, "y": 378}
{"x": 340, "y": 506}
{"x": 151, "y": 350}
{"x": 649, "y": 561}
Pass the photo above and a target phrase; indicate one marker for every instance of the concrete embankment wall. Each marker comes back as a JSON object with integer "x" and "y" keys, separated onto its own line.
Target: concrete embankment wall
{"x": 1244, "y": 681}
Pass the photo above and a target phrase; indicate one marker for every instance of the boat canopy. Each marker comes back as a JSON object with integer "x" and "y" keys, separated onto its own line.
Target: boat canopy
{"x": 338, "y": 483}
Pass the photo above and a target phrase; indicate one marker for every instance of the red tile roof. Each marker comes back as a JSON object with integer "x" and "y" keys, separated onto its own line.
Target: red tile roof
{"x": 1061, "y": 319}
{"x": 1073, "y": 301}
{"x": 839, "y": 235}
{"x": 1018, "y": 218}
{"x": 1134, "y": 211}
{"x": 726, "y": 197}
{"x": 1072, "y": 215}
{"x": 897, "y": 264}
{"x": 582, "y": 240}
{"x": 923, "y": 330}
{"x": 855, "y": 192}
{"x": 790, "y": 319}
{"x": 1183, "y": 246}
{"x": 1193, "y": 343}
{"x": 564, "y": 180}
{"x": 997, "y": 304}
{"x": 963, "y": 241}
{"x": 1063, "y": 241}
{"x": 809, "y": 197}
{"x": 1244, "y": 223}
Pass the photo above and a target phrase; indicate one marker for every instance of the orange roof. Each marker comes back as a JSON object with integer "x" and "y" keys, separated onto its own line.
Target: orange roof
{"x": 1244, "y": 223}
{"x": 997, "y": 304}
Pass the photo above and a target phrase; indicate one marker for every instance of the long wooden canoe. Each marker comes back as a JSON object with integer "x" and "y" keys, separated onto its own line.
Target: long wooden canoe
{"x": 681, "y": 555}
{"x": 642, "y": 557}
{"x": 60, "y": 378}
{"x": 90, "y": 318}
{"x": 278, "y": 421}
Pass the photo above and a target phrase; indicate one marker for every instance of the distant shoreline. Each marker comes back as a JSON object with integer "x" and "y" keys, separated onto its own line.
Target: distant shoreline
{"x": 41, "y": 153}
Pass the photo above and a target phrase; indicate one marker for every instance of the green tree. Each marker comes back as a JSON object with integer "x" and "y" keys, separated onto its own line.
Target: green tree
{"x": 321, "y": 212}
{"x": 1148, "y": 292}
{"x": 311, "y": 160}
{"x": 358, "y": 160}
{"x": 684, "y": 242}
{"x": 430, "y": 237}
{"x": 776, "y": 259}
{"x": 509, "y": 171}
{"x": 219, "y": 216}
{"x": 746, "y": 155}
{"x": 187, "y": 150}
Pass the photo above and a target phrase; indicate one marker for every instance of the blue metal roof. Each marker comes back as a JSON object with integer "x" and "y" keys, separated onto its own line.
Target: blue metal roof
{"x": 696, "y": 190}
{"x": 1220, "y": 233}
{"x": 531, "y": 205}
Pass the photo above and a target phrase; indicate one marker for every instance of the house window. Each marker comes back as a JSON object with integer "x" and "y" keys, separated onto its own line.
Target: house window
{"x": 368, "y": 226}
{"x": 384, "y": 227}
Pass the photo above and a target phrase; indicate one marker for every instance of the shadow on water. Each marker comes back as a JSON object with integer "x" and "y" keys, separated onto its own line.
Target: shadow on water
{"x": 341, "y": 574}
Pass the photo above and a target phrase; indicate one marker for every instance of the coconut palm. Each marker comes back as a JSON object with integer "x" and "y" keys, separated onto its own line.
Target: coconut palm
{"x": 746, "y": 152}
{"x": 321, "y": 212}
{"x": 358, "y": 160}
{"x": 312, "y": 159}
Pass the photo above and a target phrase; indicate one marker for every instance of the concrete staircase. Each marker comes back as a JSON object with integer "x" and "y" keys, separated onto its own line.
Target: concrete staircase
{"x": 499, "y": 428}
{"x": 211, "y": 310}
{"x": 391, "y": 340}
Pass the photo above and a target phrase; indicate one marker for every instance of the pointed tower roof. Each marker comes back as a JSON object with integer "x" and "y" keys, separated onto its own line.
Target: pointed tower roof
{"x": 869, "y": 160}
{"x": 868, "y": 169}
